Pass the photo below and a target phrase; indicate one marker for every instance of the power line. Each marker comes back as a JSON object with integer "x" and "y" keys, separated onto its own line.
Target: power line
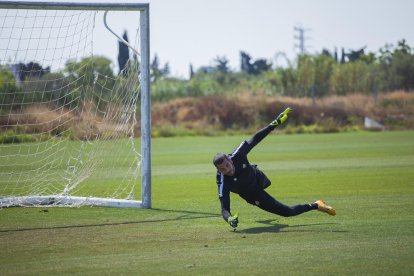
{"x": 301, "y": 39}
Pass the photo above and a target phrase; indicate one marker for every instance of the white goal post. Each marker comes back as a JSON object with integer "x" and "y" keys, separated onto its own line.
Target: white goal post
{"x": 67, "y": 126}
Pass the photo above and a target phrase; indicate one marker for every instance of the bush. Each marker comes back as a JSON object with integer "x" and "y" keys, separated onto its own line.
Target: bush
{"x": 12, "y": 136}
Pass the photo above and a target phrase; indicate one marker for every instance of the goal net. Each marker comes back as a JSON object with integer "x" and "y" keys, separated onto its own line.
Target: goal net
{"x": 71, "y": 121}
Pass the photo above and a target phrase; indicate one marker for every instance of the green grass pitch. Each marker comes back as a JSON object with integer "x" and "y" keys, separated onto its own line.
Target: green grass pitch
{"x": 367, "y": 176}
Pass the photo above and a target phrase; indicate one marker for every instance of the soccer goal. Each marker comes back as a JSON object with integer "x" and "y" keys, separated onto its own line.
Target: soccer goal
{"x": 74, "y": 130}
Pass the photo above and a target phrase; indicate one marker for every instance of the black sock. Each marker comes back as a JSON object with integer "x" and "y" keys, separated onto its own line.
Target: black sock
{"x": 313, "y": 206}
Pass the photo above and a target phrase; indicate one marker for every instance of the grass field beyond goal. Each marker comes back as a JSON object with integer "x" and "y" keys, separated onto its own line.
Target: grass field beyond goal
{"x": 367, "y": 176}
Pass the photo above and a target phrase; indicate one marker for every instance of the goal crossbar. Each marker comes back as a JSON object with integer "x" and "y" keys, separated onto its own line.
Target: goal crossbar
{"x": 74, "y": 6}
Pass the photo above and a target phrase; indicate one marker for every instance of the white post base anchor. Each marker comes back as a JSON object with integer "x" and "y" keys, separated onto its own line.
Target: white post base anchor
{"x": 370, "y": 123}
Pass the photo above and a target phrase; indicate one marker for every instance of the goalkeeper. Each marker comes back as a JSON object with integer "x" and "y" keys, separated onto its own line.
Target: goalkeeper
{"x": 235, "y": 174}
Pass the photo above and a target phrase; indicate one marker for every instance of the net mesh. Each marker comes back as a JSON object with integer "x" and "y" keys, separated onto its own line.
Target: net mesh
{"x": 67, "y": 122}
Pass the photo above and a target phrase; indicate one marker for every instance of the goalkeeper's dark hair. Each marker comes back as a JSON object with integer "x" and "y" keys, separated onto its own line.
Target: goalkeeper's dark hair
{"x": 218, "y": 158}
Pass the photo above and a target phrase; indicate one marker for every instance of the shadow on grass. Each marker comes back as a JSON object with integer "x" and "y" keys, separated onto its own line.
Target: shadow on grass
{"x": 284, "y": 228}
{"x": 184, "y": 216}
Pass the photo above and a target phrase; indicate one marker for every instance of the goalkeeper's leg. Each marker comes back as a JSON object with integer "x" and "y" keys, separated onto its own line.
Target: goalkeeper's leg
{"x": 266, "y": 202}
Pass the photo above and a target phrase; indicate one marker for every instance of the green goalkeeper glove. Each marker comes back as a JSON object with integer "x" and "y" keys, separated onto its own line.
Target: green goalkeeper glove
{"x": 233, "y": 221}
{"x": 282, "y": 117}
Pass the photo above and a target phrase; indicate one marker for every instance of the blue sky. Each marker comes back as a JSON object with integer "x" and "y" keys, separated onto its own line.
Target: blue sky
{"x": 197, "y": 31}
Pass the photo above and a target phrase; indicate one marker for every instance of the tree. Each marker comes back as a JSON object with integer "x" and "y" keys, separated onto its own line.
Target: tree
{"x": 221, "y": 64}
{"x": 8, "y": 87}
{"x": 91, "y": 78}
{"x": 396, "y": 67}
{"x": 289, "y": 78}
{"x": 342, "y": 56}
{"x": 260, "y": 66}
{"x": 191, "y": 71}
{"x": 323, "y": 66}
{"x": 156, "y": 71}
{"x": 403, "y": 66}
{"x": 350, "y": 77}
{"x": 123, "y": 55}
{"x": 246, "y": 67}
{"x": 306, "y": 74}
{"x": 30, "y": 70}
{"x": 89, "y": 67}
{"x": 355, "y": 55}
{"x": 255, "y": 68}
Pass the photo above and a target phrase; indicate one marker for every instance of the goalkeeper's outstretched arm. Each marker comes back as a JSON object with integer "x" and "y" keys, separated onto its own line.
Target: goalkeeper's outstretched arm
{"x": 225, "y": 208}
{"x": 261, "y": 134}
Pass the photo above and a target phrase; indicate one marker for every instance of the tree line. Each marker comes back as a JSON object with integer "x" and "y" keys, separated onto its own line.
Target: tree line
{"x": 310, "y": 75}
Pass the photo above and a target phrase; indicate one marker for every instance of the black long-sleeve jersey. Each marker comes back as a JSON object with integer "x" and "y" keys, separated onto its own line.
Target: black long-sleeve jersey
{"x": 245, "y": 179}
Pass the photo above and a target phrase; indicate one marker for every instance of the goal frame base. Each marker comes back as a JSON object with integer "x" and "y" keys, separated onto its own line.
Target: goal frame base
{"x": 67, "y": 201}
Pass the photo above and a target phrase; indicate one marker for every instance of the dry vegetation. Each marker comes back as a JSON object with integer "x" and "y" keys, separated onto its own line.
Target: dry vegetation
{"x": 215, "y": 115}
{"x": 40, "y": 122}
{"x": 205, "y": 115}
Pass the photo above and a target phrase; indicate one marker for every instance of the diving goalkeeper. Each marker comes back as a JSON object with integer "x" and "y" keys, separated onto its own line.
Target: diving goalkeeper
{"x": 235, "y": 174}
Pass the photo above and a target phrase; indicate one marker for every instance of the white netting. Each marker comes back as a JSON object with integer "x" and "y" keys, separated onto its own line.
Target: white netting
{"x": 66, "y": 120}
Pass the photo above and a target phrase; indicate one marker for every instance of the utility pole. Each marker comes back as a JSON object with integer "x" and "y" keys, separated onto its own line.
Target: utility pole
{"x": 301, "y": 39}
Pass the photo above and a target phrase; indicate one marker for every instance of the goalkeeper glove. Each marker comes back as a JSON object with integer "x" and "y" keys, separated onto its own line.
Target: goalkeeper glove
{"x": 282, "y": 117}
{"x": 233, "y": 221}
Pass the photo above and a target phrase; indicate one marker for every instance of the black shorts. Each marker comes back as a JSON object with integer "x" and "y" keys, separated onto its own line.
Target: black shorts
{"x": 261, "y": 179}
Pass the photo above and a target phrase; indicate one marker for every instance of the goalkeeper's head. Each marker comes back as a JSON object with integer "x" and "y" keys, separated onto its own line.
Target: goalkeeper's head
{"x": 223, "y": 164}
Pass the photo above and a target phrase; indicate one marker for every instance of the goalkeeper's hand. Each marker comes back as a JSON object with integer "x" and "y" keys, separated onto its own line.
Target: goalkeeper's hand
{"x": 282, "y": 117}
{"x": 234, "y": 221}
